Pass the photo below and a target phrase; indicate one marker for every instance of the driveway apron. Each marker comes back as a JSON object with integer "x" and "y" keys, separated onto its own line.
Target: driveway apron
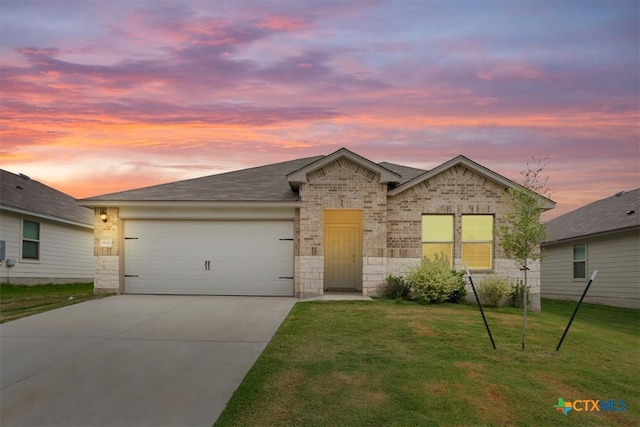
{"x": 133, "y": 360}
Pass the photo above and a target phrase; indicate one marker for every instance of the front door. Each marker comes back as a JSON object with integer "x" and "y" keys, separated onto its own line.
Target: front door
{"x": 343, "y": 249}
{"x": 341, "y": 259}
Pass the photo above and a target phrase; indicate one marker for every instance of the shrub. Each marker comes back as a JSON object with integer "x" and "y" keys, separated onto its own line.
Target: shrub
{"x": 432, "y": 281}
{"x": 396, "y": 287}
{"x": 493, "y": 290}
{"x": 515, "y": 295}
{"x": 460, "y": 292}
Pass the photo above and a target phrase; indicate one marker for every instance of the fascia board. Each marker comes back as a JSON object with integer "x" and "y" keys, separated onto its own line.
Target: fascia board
{"x": 92, "y": 203}
{"x": 44, "y": 216}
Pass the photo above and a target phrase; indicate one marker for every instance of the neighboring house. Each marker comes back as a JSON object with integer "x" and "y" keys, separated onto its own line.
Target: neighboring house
{"x": 603, "y": 236}
{"x": 47, "y": 237}
{"x": 302, "y": 227}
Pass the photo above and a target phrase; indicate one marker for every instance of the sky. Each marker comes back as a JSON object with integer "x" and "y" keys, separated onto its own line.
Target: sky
{"x": 104, "y": 96}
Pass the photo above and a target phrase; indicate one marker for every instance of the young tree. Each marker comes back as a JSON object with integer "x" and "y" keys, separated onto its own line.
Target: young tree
{"x": 523, "y": 231}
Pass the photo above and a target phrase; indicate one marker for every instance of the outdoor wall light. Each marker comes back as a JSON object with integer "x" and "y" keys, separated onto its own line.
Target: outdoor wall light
{"x": 103, "y": 216}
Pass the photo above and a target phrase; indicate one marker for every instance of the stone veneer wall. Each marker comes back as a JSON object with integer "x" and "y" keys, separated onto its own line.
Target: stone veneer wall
{"x": 456, "y": 191}
{"x": 107, "y": 258}
{"x": 342, "y": 184}
{"x": 503, "y": 266}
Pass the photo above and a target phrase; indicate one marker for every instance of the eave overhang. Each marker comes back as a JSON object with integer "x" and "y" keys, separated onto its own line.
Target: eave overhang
{"x": 45, "y": 216}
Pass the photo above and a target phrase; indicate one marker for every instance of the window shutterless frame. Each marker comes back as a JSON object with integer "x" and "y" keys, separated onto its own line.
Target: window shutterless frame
{"x": 580, "y": 261}
{"x": 477, "y": 241}
{"x": 30, "y": 240}
{"x": 437, "y": 236}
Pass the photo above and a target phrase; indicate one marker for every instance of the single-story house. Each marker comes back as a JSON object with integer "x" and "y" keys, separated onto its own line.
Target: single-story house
{"x": 45, "y": 237}
{"x": 603, "y": 236}
{"x": 300, "y": 228}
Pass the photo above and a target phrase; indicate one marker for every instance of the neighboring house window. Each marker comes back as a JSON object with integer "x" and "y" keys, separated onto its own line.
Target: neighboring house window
{"x": 30, "y": 240}
{"x": 477, "y": 241}
{"x": 437, "y": 236}
{"x": 580, "y": 261}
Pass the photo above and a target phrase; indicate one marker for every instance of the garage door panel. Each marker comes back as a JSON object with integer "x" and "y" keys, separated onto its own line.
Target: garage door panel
{"x": 209, "y": 257}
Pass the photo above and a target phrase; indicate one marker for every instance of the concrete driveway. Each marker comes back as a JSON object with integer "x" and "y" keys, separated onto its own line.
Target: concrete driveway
{"x": 133, "y": 360}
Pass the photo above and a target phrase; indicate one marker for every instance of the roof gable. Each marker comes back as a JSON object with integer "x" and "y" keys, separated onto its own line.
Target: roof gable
{"x": 613, "y": 214}
{"x": 19, "y": 193}
{"x": 299, "y": 176}
{"x": 471, "y": 165}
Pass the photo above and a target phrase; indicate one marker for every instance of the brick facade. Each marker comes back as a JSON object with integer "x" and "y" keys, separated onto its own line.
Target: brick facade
{"x": 341, "y": 184}
{"x": 392, "y": 224}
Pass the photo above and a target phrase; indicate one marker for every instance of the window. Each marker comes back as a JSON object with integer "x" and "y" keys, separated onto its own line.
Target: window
{"x": 477, "y": 241}
{"x": 580, "y": 261}
{"x": 30, "y": 240}
{"x": 437, "y": 236}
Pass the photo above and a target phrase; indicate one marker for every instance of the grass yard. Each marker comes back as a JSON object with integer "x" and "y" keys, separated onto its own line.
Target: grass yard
{"x": 20, "y": 301}
{"x": 385, "y": 363}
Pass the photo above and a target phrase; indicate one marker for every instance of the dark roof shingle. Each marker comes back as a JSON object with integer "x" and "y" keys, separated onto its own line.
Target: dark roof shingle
{"x": 21, "y": 192}
{"x": 406, "y": 173}
{"x": 603, "y": 216}
{"x": 260, "y": 184}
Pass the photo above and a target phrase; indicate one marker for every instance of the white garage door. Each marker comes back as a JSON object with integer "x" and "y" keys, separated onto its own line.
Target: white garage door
{"x": 209, "y": 257}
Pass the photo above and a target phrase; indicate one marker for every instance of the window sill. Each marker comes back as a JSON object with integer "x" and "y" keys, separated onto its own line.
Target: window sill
{"x": 481, "y": 271}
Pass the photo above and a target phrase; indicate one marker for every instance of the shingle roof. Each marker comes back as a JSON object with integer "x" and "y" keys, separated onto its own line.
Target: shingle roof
{"x": 406, "y": 173}
{"x": 603, "y": 216}
{"x": 260, "y": 184}
{"x": 19, "y": 192}
{"x": 270, "y": 183}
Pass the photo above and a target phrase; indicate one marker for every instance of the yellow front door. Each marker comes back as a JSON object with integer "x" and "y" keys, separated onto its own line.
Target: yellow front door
{"x": 343, "y": 249}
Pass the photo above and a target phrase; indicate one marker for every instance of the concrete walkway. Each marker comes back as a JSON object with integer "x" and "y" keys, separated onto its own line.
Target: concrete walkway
{"x": 338, "y": 296}
{"x": 133, "y": 360}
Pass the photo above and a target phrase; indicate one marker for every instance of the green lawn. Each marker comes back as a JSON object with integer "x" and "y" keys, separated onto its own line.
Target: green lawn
{"x": 20, "y": 301}
{"x": 384, "y": 363}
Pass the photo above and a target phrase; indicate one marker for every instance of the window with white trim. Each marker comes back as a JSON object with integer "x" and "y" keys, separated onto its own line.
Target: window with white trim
{"x": 30, "y": 240}
{"x": 580, "y": 261}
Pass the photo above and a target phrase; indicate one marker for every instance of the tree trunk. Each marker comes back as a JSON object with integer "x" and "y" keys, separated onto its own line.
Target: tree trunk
{"x": 524, "y": 305}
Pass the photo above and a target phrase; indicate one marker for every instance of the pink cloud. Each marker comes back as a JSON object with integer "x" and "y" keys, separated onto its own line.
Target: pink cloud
{"x": 284, "y": 23}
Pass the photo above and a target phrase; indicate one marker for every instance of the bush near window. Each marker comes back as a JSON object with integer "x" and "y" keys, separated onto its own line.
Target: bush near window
{"x": 458, "y": 295}
{"x": 493, "y": 290}
{"x": 515, "y": 294}
{"x": 396, "y": 288}
{"x": 433, "y": 281}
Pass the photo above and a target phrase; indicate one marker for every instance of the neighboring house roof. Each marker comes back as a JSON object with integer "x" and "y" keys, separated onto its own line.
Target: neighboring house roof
{"x": 620, "y": 212}
{"x": 277, "y": 183}
{"x": 21, "y": 194}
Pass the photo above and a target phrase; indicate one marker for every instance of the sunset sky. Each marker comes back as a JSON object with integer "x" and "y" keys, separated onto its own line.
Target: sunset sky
{"x": 104, "y": 96}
